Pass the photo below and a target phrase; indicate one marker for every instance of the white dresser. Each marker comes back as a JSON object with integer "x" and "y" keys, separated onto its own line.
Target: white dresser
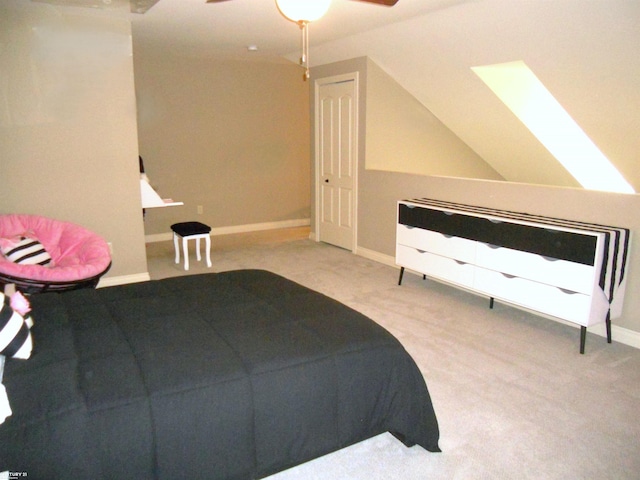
{"x": 570, "y": 270}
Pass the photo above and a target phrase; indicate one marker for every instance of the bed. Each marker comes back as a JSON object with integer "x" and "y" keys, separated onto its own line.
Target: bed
{"x": 232, "y": 375}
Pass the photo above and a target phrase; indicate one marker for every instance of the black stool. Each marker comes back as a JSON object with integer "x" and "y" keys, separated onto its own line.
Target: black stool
{"x": 191, "y": 231}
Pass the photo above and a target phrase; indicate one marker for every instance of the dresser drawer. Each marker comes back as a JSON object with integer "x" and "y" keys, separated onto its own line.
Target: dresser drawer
{"x": 436, "y": 266}
{"x": 557, "y": 242}
{"x": 571, "y": 306}
{"x": 438, "y": 243}
{"x": 576, "y": 277}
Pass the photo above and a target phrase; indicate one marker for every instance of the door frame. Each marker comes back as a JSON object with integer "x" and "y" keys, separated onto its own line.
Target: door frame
{"x": 317, "y": 180}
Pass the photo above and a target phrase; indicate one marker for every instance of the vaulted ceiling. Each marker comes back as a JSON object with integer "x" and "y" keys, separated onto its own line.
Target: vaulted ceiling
{"x": 584, "y": 51}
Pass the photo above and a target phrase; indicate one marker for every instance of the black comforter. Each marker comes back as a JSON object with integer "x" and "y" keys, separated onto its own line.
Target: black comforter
{"x": 235, "y": 375}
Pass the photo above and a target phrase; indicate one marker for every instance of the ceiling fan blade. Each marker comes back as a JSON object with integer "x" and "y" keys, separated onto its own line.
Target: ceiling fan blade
{"x": 388, "y": 3}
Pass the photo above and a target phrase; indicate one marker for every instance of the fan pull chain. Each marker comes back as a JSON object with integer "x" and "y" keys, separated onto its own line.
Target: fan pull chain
{"x": 304, "y": 58}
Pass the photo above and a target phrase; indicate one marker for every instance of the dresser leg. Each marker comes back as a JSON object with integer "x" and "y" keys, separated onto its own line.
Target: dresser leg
{"x": 401, "y": 274}
{"x": 583, "y": 338}
{"x": 608, "y": 324}
{"x": 490, "y": 302}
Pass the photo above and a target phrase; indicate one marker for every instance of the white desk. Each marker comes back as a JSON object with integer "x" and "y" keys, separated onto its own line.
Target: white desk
{"x": 151, "y": 199}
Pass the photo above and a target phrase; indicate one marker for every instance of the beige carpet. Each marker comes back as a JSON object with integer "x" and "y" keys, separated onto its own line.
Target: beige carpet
{"x": 513, "y": 396}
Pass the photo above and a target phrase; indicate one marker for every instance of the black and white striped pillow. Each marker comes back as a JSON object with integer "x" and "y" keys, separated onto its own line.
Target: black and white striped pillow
{"x": 27, "y": 251}
{"x": 15, "y": 334}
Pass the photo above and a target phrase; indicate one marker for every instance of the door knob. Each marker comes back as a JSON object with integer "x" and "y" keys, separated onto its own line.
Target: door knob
{"x": 326, "y": 180}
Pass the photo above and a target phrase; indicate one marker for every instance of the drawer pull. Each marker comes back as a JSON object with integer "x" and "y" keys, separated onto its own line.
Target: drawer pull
{"x": 460, "y": 262}
{"x": 507, "y": 275}
{"x": 420, "y": 251}
{"x": 495, "y": 220}
{"x": 568, "y": 292}
{"x": 549, "y": 259}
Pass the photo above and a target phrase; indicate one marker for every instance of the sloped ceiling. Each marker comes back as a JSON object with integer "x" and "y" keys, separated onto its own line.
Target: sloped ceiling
{"x": 584, "y": 51}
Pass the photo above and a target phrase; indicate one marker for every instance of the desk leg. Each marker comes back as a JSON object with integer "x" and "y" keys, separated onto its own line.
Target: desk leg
{"x": 490, "y": 302}
{"x": 608, "y": 324}
{"x": 583, "y": 338}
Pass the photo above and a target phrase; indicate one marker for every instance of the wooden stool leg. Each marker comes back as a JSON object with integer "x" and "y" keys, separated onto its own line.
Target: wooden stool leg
{"x": 207, "y": 241}
{"x": 177, "y": 248}
{"x": 186, "y": 253}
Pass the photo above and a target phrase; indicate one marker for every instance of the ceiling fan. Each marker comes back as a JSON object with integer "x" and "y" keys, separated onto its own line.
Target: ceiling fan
{"x": 305, "y": 12}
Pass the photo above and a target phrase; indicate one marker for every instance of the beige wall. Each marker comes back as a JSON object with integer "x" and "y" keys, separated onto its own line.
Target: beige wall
{"x": 379, "y": 191}
{"x": 404, "y": 136}
{"x": 68, "y": 142}
{"x": 231, "y": 136}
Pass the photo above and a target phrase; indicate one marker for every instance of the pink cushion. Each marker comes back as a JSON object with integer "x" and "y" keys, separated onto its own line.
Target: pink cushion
{"x": 76, "y": 252}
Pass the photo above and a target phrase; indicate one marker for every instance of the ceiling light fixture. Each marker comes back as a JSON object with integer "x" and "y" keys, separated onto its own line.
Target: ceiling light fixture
{"x": 303, "y": 13}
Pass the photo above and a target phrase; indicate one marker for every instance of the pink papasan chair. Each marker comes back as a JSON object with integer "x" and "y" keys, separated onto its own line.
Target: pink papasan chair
{"x": 78, "y": 257}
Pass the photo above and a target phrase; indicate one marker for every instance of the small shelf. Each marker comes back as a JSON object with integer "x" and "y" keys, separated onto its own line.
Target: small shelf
{"x": 151, "y": 199}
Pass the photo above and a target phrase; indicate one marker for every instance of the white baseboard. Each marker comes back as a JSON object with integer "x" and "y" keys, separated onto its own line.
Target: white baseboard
{"x": 124, "y": 279}
{"x": 254, "y": 227}
{"x": 376, "y": 256}
{"x": 618, "y": 334}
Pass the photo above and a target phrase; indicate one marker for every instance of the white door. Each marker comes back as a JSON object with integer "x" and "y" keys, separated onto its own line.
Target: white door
{"x": 336, "y": 165}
